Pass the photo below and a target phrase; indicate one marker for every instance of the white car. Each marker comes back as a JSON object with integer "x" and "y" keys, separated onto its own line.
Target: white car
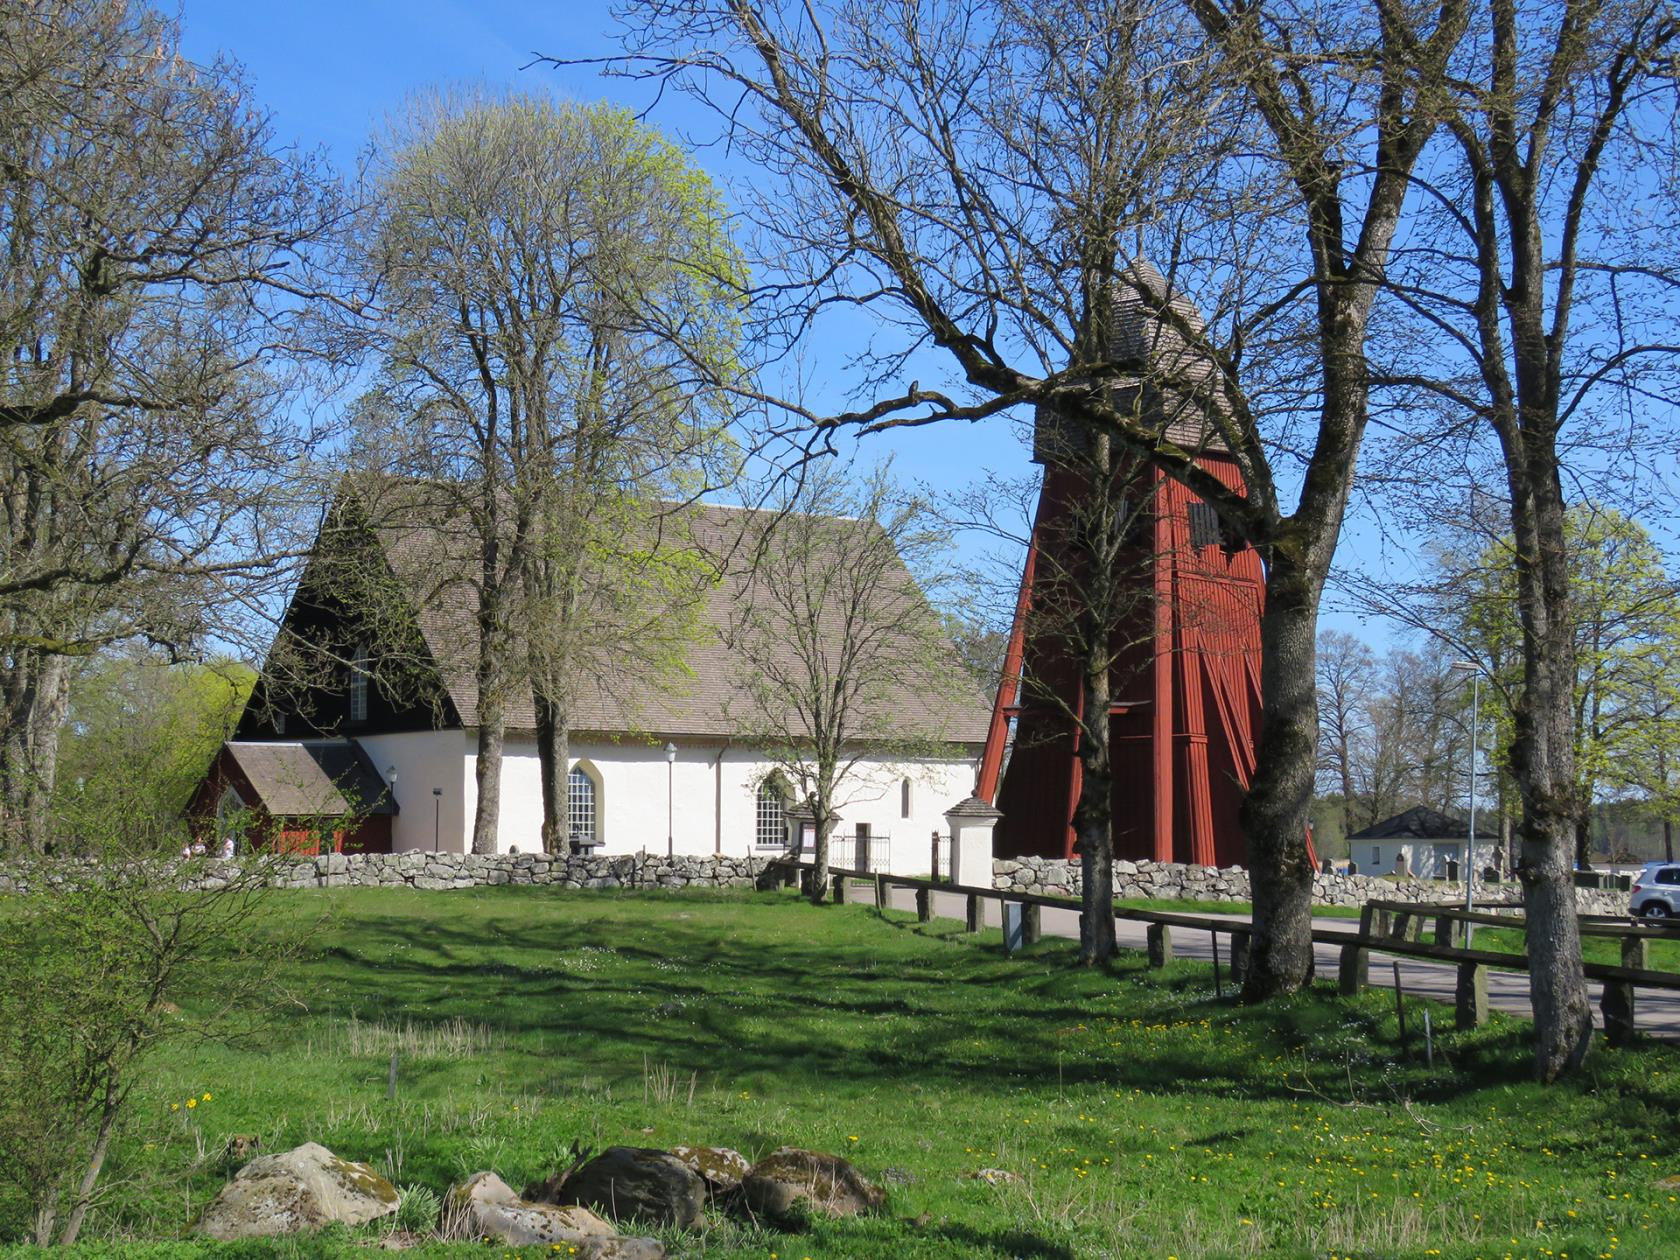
{"x": 1656, "y": 891}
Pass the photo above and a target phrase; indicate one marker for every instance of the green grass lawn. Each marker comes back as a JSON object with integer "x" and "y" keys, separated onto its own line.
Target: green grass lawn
{"x": 1663, "y": 955}
{"x": 1143, "y": 1117}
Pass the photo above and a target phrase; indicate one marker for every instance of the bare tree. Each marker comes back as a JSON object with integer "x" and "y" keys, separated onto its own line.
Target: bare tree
{"x": 1091, "y": 618}
{"x": 1346, "y": 672}
{"x": 556, "y": 304}
{"x": 1549, "y": 299}
{"x": 158, "y": 252}
{"x": 977, "y": 175}
{"x": 841, "y": 657}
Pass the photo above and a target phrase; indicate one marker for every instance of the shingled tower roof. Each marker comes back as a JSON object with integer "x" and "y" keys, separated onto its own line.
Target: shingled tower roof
{"x": 1179, "y": 385}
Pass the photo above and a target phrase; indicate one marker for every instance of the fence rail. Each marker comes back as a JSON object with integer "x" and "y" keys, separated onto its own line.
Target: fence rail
{"x": 1381, "y": 930}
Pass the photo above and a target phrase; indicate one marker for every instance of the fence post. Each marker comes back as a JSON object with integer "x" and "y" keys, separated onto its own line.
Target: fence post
{"x": 880, "y": 892}
{"x": 839, "y": 890}
{"x": 1032, "y": 926}
{"x": 1617, "y": 1005}
{"x": 1354, "y": 973}
{"x": 1239, "y": 956}
{"x": 1160, "y": 944}
{"x": 1013, "y": 915}
{"x": 1399, "y": 921}
{"x": 1446, "y": 930}
{"x": 933, "y": 862}
{"x": 1636, "y": 952}
{"x": 924, "y": 905}
{"x": 1471, "y": 997}
{"x": 974, "y": 917}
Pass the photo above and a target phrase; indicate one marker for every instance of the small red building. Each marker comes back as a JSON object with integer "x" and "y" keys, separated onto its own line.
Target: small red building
{"x": 296, "y": 796}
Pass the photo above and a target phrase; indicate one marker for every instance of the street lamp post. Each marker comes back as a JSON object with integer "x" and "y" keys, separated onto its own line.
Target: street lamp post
{"x": 670, "y": 770}
{"x": 391, "y": 778}
{"x": 1475, "y": 672}
{"x": 437, "y": 817}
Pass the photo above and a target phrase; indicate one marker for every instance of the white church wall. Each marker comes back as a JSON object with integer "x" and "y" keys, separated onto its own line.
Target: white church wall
{"x": 706, "y": 800}
{"x": 425, "y": 760}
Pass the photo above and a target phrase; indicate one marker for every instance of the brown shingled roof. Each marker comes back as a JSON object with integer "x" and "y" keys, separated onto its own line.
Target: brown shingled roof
{"x": 299, "y": 777}
{"x": 433, "y": 560}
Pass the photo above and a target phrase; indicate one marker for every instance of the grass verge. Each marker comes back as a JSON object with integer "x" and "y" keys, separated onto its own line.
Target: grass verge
{"x": 1139, "y": 1116}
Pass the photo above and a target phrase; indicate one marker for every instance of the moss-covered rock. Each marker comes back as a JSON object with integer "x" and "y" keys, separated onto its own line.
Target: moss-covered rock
{"x": 294, "y": 1191}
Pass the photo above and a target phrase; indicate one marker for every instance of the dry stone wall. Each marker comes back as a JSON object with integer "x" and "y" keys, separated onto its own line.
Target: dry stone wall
{"x": 1051, "y": 877}
{"x": 472, "y": 870}
{"x": 1046, "y": 876}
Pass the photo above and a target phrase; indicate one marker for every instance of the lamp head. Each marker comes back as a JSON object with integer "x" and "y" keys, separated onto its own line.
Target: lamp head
{"x": 670, "y": 752}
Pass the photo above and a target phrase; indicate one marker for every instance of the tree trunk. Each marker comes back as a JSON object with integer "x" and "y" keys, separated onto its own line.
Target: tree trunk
{"x": 1274, "y": 814}
{"x": 37, "y": 697}
{"x": 1583, "y": 841}
{"x": 488, "y": 771}
{"x": 46, "y": 1217}
{"x": 819, "y": 853}
{"x": 95, "y": 1165}
{"x": 1543, "y": 750}
{"x": 1093, "y": 817}
{"x": 554, "y": 742}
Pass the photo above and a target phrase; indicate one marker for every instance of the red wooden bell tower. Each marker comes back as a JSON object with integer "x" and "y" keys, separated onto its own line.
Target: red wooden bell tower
{"x": 1186, "y": 692}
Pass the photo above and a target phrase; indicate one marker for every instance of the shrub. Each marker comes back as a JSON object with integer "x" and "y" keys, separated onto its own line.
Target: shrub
{"x": 93, "y": 960}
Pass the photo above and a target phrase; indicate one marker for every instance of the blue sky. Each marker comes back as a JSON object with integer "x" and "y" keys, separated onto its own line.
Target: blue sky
{"x": 331, "y": 72}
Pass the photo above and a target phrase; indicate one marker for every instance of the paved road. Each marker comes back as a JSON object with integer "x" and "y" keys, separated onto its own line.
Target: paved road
{"x": 1657, "y": 1011}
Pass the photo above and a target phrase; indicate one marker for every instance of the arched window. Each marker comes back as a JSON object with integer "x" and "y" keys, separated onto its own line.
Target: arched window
{"x": 581, "y": 815}
{"x": 904, "y": 801}
{"x": 772, "y": 814}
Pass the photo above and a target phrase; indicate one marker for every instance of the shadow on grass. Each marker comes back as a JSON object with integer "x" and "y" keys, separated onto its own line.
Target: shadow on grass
{"x": 1004, "y": 1242}
{"x": 742, "y": 985}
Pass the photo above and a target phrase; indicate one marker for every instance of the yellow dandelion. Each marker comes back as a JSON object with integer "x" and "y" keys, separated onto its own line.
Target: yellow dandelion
{"x": 191, "y": 1103}
{"x": 207, "y": 1098}
{"x": 174, "y": 1106}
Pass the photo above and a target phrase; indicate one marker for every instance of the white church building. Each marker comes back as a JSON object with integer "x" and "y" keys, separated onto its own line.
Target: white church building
{"x": 386, "y": 730}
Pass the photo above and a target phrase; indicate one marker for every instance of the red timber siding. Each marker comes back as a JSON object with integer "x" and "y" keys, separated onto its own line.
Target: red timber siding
{"x": 1186, "y": 689}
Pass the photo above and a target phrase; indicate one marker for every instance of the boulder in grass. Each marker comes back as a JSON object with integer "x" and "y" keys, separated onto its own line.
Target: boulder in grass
{"x": 301, "y": 1189}
{"x": 485, "y": 1206}
{"x": 633, "y": 1183}
{"x": 719, "y": 1167}
{"x": 790, "y": 1181}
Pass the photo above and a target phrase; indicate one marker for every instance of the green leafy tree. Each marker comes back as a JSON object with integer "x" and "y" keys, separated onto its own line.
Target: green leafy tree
{"x": 556, "y": 299}
{"x": 1627, "y": 632}
{"x": 140, "y": 731}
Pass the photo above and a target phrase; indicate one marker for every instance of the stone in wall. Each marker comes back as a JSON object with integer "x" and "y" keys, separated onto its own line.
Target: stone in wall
{"x": 1053, "y": 877}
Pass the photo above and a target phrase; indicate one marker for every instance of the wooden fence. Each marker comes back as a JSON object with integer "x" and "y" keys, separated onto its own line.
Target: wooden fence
{"x": 1385, "y": 927}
